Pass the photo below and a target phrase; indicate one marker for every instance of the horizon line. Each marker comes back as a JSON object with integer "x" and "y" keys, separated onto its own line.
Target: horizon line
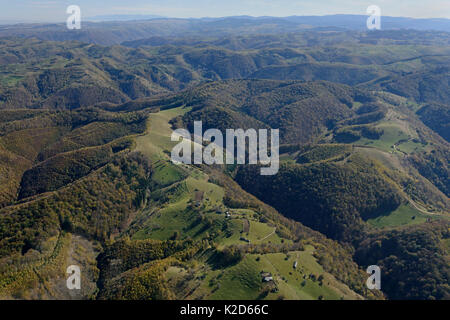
{"x": 146, "y": 17}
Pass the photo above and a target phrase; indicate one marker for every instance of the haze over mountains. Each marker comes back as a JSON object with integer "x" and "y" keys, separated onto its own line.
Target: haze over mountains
{"x": 85, "y": 174}
{"x": 109, "y": 32}
{"x": 123, "y": 17}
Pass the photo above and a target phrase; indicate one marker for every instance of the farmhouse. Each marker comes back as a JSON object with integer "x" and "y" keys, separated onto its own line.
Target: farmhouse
{"x": 266, "y": 276}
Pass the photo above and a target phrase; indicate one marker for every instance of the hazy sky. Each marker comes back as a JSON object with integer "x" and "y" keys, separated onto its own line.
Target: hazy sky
{"x": 55, "y": 10}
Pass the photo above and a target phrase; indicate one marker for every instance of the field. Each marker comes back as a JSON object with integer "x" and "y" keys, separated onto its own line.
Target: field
{"x": 307, "y": 281}
{"x": 404, "y": 215}
{"x": 184, "y": 201}
{"x": 157, "y": 138}
{"x": 393, "y": 140}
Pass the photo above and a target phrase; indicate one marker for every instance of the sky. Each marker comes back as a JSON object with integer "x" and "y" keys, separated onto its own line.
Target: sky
{"x": 55, "y": 10}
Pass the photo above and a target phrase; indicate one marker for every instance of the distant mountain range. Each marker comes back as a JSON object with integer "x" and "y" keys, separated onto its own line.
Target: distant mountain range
{"x": 115, "y": 29}
{"x": 123, "y": 17}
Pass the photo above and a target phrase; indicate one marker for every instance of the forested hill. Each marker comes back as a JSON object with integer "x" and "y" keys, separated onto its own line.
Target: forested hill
{"x": 79, "y": 74}
{"x": 115, "y": 32}
{"x": 86, "y": 176}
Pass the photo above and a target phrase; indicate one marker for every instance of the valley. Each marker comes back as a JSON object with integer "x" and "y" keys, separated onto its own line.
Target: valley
{"x": 86, "y": 175}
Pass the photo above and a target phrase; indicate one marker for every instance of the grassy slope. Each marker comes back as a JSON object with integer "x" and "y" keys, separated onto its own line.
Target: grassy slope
{"x": 244, "y": 280}
{"x": 403, "y": 215}
{"x": 178, "y": 213}
{"x": 393, "y": 135}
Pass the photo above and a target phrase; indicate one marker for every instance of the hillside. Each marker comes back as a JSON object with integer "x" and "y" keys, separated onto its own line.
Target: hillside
{"x": 86, "y": 176}
{"x": 201, "y": 238}
{"x": 115, "y": 32}
{"x": 80, "y": 74}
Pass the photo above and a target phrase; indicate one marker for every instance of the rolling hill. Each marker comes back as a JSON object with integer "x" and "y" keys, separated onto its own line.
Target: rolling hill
{"x": 86, "y": 176}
